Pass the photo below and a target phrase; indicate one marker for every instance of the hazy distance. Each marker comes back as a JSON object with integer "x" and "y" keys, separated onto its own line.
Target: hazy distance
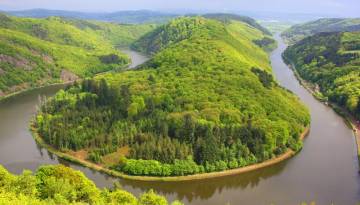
{"x": 335, "y": 8}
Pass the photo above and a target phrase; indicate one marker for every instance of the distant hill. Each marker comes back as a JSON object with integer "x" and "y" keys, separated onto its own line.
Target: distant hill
{"x": 300, "y": 31}
{"x": 275, "y": 26}
{"x": 267, "y": 43}
{"x": 129, "y": 17}
{"x": 158, "y": 39}
{"x": 227, "y": 17}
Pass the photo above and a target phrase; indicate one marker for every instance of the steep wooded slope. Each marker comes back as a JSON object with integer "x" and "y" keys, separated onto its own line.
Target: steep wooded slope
{"x": 332, "y": 62}
{"x": 35, "y": 52}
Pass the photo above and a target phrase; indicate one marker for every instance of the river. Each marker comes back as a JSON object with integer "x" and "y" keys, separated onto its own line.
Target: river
{"x": 325, "y": 171}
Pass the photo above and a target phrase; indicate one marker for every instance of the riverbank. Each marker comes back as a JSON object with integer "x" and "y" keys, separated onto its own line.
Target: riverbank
{"x": 288, "y": 154}
{"x": 327, "y": 156}
{"x": 125, "y": 67}
{"x": 34, "y": 88}
{"x": 349, "y": 119}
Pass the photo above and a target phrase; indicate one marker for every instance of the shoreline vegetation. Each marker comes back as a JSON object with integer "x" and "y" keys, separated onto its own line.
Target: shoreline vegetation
{"x": 10, "y": 95}
{"x": 287, "y": 155}
{"x": 326, "y": 64}
{"x": 349, "y": 119}
{"x": 63, "y": 83}
{"x": 19, "y": 92}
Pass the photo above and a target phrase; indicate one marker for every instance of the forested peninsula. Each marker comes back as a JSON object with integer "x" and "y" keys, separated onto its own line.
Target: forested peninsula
{"x": 207, "y": 101}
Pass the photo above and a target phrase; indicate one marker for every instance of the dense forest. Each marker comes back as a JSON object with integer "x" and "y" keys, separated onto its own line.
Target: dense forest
{"x": 330, "y": 61}
{"x": 301, "y": 31}
{"x": 206, "y": 101}
{"x": 51, "y": 185}
{"x": 35, "y": 52}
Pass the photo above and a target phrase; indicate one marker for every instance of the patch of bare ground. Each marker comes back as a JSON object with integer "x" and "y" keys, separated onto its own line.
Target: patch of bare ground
{"x": 67, "y": 76}
{"x": 81, "y": 154}
{"x": 19, "y": 62}
{"x": 18, "y": 87}
{"x": 48, "y": 59}
{"x": 113, "y": 158}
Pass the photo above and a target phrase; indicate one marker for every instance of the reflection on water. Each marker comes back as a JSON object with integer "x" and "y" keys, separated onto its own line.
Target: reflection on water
{"x": 205, "y": 189}
{"x": 136, "y": 57}
{"x": 326, "y": 170}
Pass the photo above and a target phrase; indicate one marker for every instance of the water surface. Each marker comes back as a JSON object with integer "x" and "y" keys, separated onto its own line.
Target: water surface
{"x": 136, "y": 57}
{"x": 325, "y": 171}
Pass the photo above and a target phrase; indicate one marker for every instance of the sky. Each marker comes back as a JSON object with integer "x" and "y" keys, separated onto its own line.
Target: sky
{"x": 349, "y": 8}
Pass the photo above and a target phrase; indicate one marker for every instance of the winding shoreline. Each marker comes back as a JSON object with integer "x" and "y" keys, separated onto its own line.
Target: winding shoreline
{"x": 10, "y": 95}
{"x": 348, "y": 117}
{"x": 288, "y": 154}
{"x": 19, "y": 92}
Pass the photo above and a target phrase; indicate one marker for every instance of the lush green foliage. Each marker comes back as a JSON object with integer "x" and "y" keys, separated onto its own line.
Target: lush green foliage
{"x": 205, "y": 102}
{"x": 266, "y": 43}
{"x": 51, "y": 185}
{"x": 35, "y": 52}
{"x": 331, "y": 61}
{"x": 301, "y": 31}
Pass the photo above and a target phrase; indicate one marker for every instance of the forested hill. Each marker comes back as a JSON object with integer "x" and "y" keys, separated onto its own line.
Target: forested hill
{"x": 177, "y": 31}
{"x": 35, "y": 52}
{"x": 206, "y": 101}
{"x": 299, "y": 32}
{"x": 331, "y": 61}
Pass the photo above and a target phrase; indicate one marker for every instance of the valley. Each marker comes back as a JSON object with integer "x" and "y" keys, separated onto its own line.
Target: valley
{"x": 315, "y": 162}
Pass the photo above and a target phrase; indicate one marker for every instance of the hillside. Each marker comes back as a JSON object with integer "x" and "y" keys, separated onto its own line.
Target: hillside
{"x": 243, "y": 27}
{"x": 331, "y": 62}
{"x": 267, "y": 42}
{"x": 226, "y": 18}
{"x": 206, "y": 101}
{"x": 35, "y": 52}
{"x": 119, "y": 35}
{"x": 57, "y": 184}
{"x": 300, "y": 31}
{"x": 126, "y": 17}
